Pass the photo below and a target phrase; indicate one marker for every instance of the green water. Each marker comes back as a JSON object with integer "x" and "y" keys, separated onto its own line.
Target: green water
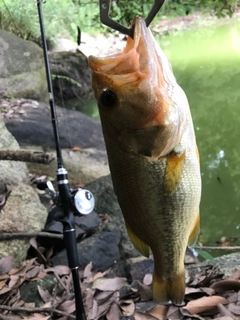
{"x": 206, "y": 63}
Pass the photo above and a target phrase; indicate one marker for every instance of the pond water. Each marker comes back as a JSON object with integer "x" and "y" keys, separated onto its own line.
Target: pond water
{"x": 206, "y": 63}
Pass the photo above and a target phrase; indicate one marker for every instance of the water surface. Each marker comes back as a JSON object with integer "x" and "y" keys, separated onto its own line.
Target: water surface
{"x": 206, "y": 63}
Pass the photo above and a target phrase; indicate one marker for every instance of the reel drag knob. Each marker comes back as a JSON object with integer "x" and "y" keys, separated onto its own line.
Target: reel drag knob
{"x": 84, "y": 201}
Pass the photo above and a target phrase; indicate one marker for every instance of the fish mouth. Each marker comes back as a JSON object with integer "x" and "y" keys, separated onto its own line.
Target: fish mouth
{"x": 137, "y": 60}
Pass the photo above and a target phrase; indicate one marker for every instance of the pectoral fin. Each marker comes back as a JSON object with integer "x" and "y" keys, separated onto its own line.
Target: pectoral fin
{"x": 173, "y": 171}
{"x": 194, "y": 234}
{"x": 141, "y": 246}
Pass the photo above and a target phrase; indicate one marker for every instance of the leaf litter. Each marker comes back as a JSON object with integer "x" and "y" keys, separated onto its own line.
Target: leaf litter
{"x": 208, "y": 295}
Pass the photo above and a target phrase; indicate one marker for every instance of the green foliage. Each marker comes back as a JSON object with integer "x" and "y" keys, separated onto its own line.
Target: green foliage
{"x": 205, "y": 255}
{"x": 61, "y": 17}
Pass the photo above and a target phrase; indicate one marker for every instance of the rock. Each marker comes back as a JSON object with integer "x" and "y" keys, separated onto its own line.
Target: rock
{"x": 22, "y": 212}
{"x": 85, "y": 226}
{"x": 83, "y": 166}
{"x": 106, "y": 203}
{"x": 132, "y": 269}
{"x": 136, "y": 270}
{"x": 101, "y": 248}
{"x": 12, "y": 172}
{"x": 75, "y": 128}
{"x": 101, "y": 45}
{"x": 29, "y": 290}
{"x": 32, "y": 128}
{"x": 227, "y": 264}
{"x": 71, "y": 78}
{"x": 22, "y": 71}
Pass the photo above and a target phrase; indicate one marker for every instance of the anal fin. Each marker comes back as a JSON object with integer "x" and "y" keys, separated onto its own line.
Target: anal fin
{"x": 195, "y": 231}
{"x": 140, "y": 245}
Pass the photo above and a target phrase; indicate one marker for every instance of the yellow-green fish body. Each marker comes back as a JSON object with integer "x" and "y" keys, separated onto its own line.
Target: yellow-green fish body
{"x": 152, "y": 153}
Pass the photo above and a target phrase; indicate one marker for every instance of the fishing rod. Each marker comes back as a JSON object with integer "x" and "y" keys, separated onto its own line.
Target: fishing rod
{"x": 70, "y": 201}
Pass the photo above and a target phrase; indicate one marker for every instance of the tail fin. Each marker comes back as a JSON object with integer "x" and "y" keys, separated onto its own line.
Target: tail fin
{"x": 171, "y": 289}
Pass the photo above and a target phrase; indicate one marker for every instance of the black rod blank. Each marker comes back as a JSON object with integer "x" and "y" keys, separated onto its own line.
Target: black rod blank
{"x": 65, "y": 196}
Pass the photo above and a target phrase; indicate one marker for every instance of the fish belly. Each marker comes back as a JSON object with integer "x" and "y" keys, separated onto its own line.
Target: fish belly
{"x": 157, "y": 216}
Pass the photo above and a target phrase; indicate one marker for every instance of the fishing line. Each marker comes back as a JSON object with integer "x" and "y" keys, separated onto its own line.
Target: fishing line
{"x": 70, "y": 201}
{"x": 64, "y": 106}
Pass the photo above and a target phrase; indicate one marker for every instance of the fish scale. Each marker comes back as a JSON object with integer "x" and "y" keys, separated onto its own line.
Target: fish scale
{"x": 153, "y": 157}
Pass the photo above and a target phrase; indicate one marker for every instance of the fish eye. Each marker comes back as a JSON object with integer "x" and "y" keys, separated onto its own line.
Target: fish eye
{"x": 108, "y": 98}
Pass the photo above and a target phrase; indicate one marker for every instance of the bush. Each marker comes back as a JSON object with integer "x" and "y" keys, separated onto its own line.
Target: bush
{"x": 61, "y": 17}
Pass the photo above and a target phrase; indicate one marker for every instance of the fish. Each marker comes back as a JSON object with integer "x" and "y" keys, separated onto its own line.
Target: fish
{"x": 152, "y": 153}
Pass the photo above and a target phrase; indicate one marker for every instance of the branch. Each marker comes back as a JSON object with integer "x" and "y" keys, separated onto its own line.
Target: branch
{"x": 17, "y": 235}
{"x": 2, "y": 317}
{"x": 40, "y": 310}
{"x": 216, "y": 248}
{"x": 26, "y": 156}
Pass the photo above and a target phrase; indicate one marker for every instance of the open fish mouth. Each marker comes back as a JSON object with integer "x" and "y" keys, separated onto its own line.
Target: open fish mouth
{"x": 137, "y": 60}
{"x": 141, "y": 78}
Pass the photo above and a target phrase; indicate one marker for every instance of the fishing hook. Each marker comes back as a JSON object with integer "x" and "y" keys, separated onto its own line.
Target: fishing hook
{"x": 105, "y": 18}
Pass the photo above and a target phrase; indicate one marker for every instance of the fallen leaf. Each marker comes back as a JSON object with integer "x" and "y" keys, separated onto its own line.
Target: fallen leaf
{"x": 6, "y": 264}
{"x": 29, "y": 304}
{"x": 145, "y": 292}
{"x": 190, "y": 290}
{"x": 33, "y": 272}
{"x": 44, "y": 294}
{"x": 4, "y": 277}
{"x": 226, "y": 285}
{"x": 37, "y": 316}
{"x": 159, "y": 312}
{"x": 174, "y": 313}
{"x": 224, "y": 318}
{"x": 14, "y": 298}
{"x": 14, "y": 280}
{"x": 188, "y": 315}
{"x": 103, "y": 308}
{"x": 67, "y": 306}
{"x": 234, "y": 309}
{"x": 97, "y": 275}
{"x": 105, "y": 284}
{"x": 127, "y": 307}
{"x": 204, "y": 304}
{"x": 143, "y": 316}
{"x": 61, "y": 270}
{"x": 235, "y": 275}
{"x": 223, "y": 310}
{"x": 87, "y": 273}
{"x": 147, "y": 280}
{"x": 33, "y": 243}
{"x": 40, "y": 275}
{"x": 113, "y": 312}
{"x": 103, "y": 296}
{"x": 89, "y": 301}
{"x": 208, "y": 291}
{"x": 20, "y": 303}
{"x": 76, "y": 149}
{"x": 2, "y": 284}
{"x": 26, "y": 265}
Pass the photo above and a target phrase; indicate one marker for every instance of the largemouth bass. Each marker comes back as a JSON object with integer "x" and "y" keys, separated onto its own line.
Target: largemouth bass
{"x": 153, "y": 156}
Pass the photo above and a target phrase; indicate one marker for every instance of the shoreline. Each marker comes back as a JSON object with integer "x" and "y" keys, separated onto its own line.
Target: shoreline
{"x": 104, "y": 45}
